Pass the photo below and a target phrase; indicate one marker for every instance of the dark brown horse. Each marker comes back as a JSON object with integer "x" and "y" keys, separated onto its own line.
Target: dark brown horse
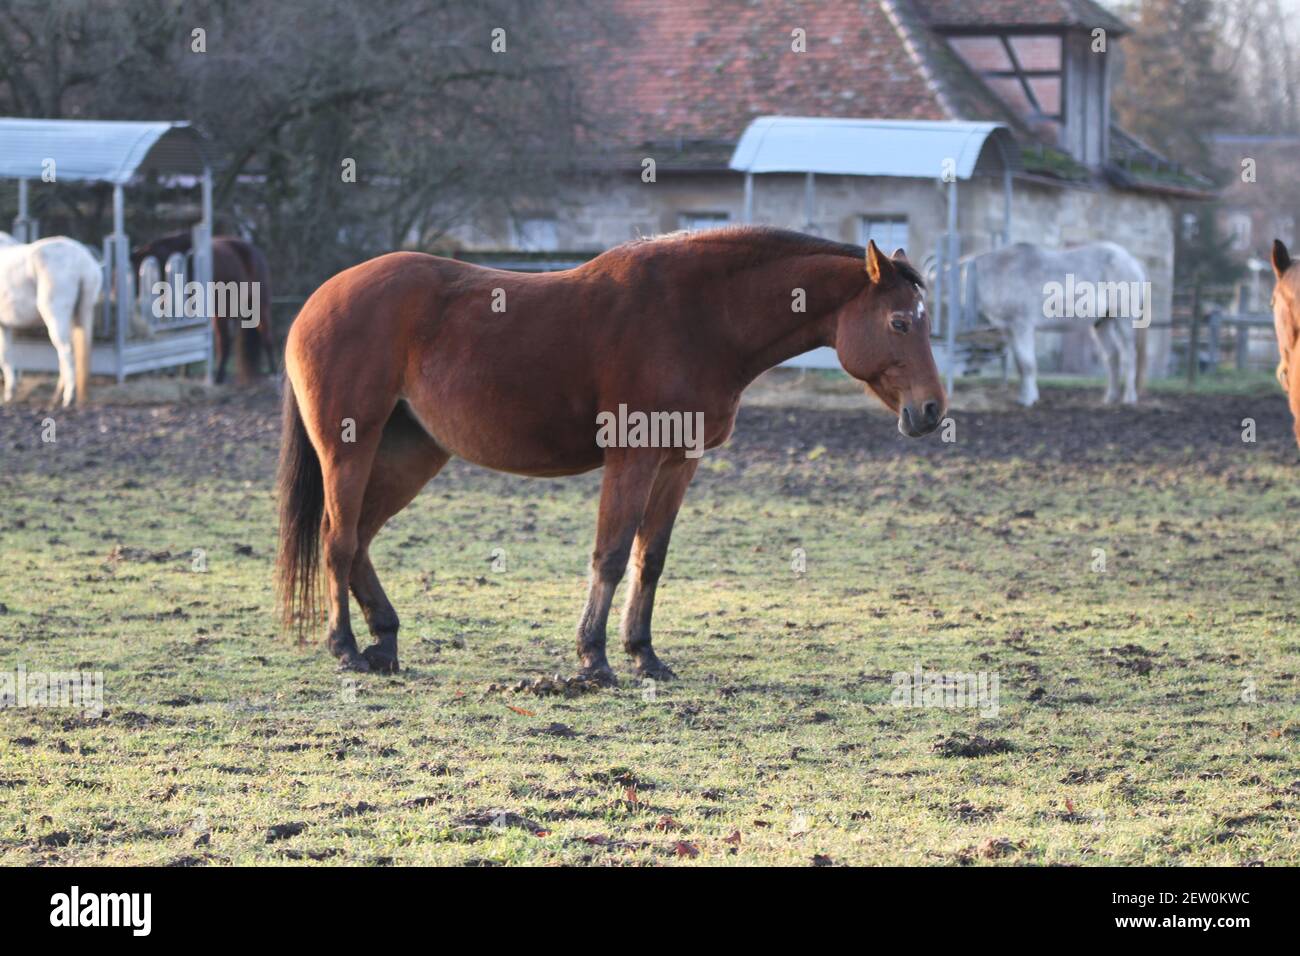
{"x": 233, "y": 260}
{"x": 1286, "y": 322}
{"x": 401, "y": 362}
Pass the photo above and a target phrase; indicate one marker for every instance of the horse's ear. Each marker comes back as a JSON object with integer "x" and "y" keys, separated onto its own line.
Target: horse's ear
{"x": 900, "y": 256}
{"x": 1281, "y": 258}
{"x": 879, "y": 268}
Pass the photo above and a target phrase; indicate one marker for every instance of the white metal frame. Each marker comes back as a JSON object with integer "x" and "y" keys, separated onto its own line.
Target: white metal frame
{"x": 123, "y": 356}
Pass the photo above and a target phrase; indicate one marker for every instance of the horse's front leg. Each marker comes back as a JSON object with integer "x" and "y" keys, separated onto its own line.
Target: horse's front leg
{"x": 649, "y": 552}
{"x": 624, "y": 492}
{"x": 1022, "y": 347}
{"x": 10, "y": 376}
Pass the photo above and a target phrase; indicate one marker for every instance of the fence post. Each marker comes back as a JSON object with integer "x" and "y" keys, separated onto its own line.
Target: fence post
{"x": 1215, "y": 323}
{"x": 1194, "y": 340}
{"x": 123, "y": 299}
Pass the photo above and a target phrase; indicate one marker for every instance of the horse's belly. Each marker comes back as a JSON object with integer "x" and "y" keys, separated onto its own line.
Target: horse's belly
{"x": 508, "y": 436}
{"x": 18, "y": 302}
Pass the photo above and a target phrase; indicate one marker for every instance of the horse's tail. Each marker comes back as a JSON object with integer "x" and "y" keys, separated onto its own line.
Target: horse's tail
{"x": 254, "y": 339}
{"x": 83, "y": 327}
{"x": 302, "y": 504}
{"x": 1140, "y": 347}
{"x": 261, "y": 273}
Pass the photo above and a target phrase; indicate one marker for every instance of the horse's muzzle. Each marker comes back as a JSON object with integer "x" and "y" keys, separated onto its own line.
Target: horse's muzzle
{"x": 914, "y": 423}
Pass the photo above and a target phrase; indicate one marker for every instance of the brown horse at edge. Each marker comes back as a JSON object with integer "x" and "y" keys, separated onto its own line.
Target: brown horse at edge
{"x": 397, "y": 364}
{"x": 1286, "y": 323}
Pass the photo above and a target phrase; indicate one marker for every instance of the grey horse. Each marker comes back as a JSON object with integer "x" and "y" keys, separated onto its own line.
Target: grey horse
{"x": 1021, "y": 286}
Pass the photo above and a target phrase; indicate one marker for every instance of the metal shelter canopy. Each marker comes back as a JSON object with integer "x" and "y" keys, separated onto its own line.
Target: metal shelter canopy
{"x": 869, "y": 147}
{"x": 105, "y": 151}
{"x": 947, "y": 151}
{"x": 115, "y": 152}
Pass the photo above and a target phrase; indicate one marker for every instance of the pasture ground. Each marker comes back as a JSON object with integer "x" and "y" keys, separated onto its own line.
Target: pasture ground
{"x": 1147, "y": 713}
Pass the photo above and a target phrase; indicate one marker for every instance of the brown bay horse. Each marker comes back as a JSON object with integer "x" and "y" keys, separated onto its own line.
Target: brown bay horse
{"x": 233, "y": 260}
{"x": 1286, "y": 322}
{"x": 397, "y": 364}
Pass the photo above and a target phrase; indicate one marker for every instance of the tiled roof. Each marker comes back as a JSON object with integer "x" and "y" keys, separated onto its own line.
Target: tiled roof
{"x": 1019, "y": 13}
{"x": 702, "y": 69}
{"x": 687, "y": 76}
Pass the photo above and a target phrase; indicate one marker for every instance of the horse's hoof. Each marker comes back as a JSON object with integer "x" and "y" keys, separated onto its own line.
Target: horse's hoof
{"x": 354, "y": 663}
{"x": 655, "y": 669}
{"x": 380, "y": 661}
{"x": 602, "y": 676}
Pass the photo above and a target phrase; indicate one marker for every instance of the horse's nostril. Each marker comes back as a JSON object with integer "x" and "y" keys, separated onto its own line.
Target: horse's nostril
{"x": 931, "y": 411}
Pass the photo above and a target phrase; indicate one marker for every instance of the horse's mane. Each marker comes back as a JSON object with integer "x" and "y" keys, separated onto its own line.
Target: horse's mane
{"x": 779, "y": 242}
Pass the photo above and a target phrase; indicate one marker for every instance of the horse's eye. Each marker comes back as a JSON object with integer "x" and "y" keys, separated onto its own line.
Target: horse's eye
{"x": 900, "y": 325}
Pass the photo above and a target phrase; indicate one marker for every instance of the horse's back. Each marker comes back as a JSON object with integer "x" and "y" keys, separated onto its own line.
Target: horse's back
{"x": 62, "y": 256}
{"x": 500, "y": 368}
{"x": 1025, "y": 262}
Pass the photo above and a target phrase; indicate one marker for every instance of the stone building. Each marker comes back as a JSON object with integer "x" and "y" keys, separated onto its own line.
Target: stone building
{"x": 683, "y": 80}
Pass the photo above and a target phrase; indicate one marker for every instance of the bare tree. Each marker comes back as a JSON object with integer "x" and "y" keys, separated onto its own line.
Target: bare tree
{"x": 442, "y": 108}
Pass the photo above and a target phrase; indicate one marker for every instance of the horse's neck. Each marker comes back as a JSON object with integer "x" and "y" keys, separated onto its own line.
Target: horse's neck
{"x": 773, "y": 329}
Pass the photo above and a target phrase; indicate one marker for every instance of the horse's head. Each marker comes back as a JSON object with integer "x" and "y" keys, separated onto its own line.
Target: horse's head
{"x": 1286, "y": 308}
{"x": 883, "y": 338}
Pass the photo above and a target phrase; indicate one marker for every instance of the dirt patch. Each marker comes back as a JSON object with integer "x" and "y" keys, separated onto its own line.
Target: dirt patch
{"x": 557, "y": 686}
{"x": 231, "y": 434}
{"x": 964, "y": 745}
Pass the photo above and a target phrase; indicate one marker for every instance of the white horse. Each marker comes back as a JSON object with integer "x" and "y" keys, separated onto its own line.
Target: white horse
{"x": 53, "y": 281}
{"x": 1019, "y": 286}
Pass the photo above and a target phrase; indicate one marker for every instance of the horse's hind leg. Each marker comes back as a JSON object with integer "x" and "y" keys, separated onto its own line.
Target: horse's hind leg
{"x": 221, "y": 333}
{"x": 648, "y": 555}
{"x": 6, "y": 368}
{"x": 67, "y": 384}
{"x": 1110, "y": 356}
{"x": 61, "y": 336}
{"x": 346, "y": 448}
{"x": 406, "y": 461}
{"x": 1125, "y": 339}
{"x": 624, "y": 494}
{"x": 267, "y": 335}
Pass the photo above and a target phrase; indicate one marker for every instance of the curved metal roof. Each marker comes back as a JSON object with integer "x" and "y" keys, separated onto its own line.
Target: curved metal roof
{"x": 872, "y": 147}
{"x": 106, "y": 151}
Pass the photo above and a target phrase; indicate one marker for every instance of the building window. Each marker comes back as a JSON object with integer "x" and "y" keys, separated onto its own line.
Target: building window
{"x": 1239, "y": 227}
{"x": 695, "y": 221}
{"x": 1026, "y": 71}
{"x": 535, "y": 234}
{"x": 887, "y": 232}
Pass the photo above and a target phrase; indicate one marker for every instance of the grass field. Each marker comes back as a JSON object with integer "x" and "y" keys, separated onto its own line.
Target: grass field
{"x": 1147, "y": 713}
